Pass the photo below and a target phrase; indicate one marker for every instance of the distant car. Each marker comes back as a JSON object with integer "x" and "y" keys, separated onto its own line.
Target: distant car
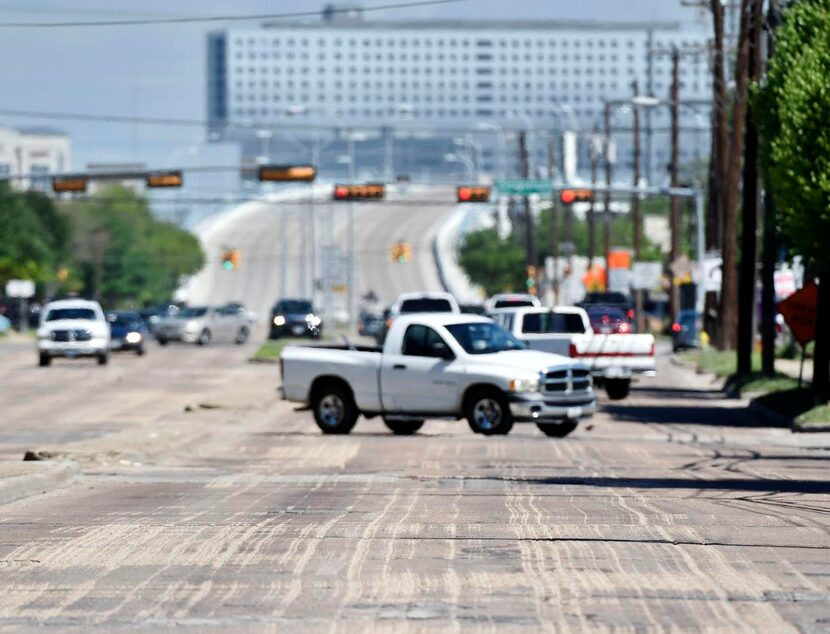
{"x": 609, "y": 320}
{"x": 410, "y": 303}
{"x": 604, "y": 299}
{"x": 152, "y": 315}
{"x": 128, "y": 332}
{"x": 73, "y": 328}
{"x": 685, "y": 331}
{"x": 5, "y": 323}
{"x": 369, "y": 324}
{"x": 511, "y": 300}
{"x": 204, "y": 324}
{"x": 472, "y": 309}
{"x": 295, "y": 317}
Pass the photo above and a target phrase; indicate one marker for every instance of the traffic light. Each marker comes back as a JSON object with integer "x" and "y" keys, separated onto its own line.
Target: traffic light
{"x": 231, "y": 260}
{"x": 570, "y": 196}
{"x": 359, "y": 192}
{"x": 531, "y": 279}
{"x": 74, "y": 184}
{"x": 400, "y": 252}
{"x": 165, "y": 179}
{"x": 472, "y": 194}
{"x": 282, "y": 173}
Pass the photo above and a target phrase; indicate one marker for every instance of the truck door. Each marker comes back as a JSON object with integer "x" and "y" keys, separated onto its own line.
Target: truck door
{"x": 418, "y": 379}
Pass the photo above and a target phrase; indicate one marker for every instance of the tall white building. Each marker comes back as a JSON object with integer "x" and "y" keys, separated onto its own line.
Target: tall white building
{"x": 544, "y": 74}
{"x": 29, "y": 156}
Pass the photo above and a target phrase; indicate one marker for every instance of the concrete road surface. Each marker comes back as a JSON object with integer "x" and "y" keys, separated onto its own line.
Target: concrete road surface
{"x": 256, "y": 230}
{"x": 674, "y": 509}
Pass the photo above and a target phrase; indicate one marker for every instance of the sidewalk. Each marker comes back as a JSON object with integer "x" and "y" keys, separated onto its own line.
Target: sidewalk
{"x": 790, "y": 367}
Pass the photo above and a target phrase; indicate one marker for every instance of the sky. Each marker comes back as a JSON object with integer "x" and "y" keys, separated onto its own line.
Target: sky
{"x": 159, "y": 70}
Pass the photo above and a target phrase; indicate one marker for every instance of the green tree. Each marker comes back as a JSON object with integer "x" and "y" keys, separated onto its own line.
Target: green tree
{"x": 494, "y": 263}
{"x": 793, "y": 111}
{"x": 124, "y": 254}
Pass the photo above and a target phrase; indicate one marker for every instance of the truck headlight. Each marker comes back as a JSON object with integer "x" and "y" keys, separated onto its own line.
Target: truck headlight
{"x": 133, "y": 337}
{"x": 523, "y": 386}
{"x": 192, "y": 325}
{"x": 279, "y": 320}
{"x": 313, "y": 320}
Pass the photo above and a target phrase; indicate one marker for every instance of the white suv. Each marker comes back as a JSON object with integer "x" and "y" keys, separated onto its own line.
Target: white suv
{"x": 73, "y": 328}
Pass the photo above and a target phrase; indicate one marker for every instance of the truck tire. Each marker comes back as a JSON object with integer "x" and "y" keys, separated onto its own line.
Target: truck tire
{"x": 103, "y": 358}
{"x": 558, "y": 430}
{"x": 204, "y": 338}
{"x": 403, "y": 427}
{"x": 241, "y": 336}
{"x": 162, "y": 341}
{"x": 44, "y": 360}
{"x": 488, "y": 412}
{"x": 617, "y": 389}
{"x": 334, "y": 409}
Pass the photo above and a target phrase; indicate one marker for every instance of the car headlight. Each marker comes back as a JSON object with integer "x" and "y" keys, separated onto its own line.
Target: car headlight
{"x": 192, "y": 325}
{"x": 521, "y": 386}
{"x": 133, "y": 337}
{"x": 44, "y": 334}
{"x": 279, "y": 320}
{"x": 313, "y": 320}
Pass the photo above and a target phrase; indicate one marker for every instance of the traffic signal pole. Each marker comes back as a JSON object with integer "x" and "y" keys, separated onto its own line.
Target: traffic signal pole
{"x": 606, "y": 216}
{"x": 674, "y": 167}
{"x": 530, "y": 238}
{"x": 635, "y": 209}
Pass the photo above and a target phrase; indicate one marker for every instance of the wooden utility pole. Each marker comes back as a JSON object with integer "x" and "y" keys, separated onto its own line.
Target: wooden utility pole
{"x": 635, "y": 206}
{"x": 530, "y": 238}
{"x": 592, "y": 225}
{"x": 606, "y": 216}
{"x": 769, "y": 254}
{"x": 554, "y": 228}
{"x": 751, "y": 199}
{"x": 674, "y": 168}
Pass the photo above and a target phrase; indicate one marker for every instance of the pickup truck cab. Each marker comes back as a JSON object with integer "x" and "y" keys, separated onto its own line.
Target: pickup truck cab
{"x": 612, "y": 358}
{"x": 439, "y": 366}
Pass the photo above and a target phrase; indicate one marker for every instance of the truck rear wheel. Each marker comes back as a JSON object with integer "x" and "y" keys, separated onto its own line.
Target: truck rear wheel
{"x": 617, "y": 389}
{"x": 488, "y": 412}
{"x": 334, "y": 409}
{"x": 558, "y": 430}
{"x": 403, "y": 427}
{"x": 44, "y": 360}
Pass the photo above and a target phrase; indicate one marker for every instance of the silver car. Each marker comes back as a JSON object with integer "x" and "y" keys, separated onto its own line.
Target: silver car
{"x": 205, "y": 324}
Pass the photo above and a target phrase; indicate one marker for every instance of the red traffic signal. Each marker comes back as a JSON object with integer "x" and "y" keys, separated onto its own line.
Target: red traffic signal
{"x": 359, "y": 192}
{"x": 472, "y": 194}
{"x": 569, "y": 196}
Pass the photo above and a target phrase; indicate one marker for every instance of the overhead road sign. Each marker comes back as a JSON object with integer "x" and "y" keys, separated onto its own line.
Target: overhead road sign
{"x": 171, "y": 178}
{"x": 359, "y": 192}
{"x": 524, "y": 187}
{"x": 466, "y": 194}
{"x": 72, "y": 184}
{"x": 287, "y": 173}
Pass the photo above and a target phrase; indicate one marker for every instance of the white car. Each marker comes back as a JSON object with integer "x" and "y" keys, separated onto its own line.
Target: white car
{"x": 410, "y": 303}
{"x": 439, "y": 365}
{"x": 613, "y": 358}
{"x": 511, "y": 300}
{"x": 73, "y": 328}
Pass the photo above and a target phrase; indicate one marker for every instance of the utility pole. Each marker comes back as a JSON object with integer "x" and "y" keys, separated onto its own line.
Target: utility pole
{"x": 674, "y": 167}
{"x": 530, "y": 238}
{"x": 769, "y": 255}
{"x": 750, "y": 204}
{"x": 635, "y": 207}
{"x": 554, "y": 227}
{"x": 592, "y": 228}
{"x": 606, "y": 216}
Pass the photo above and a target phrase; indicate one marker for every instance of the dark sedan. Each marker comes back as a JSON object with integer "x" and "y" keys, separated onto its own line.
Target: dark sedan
{"x": 296, "y": 318}
{"x": 609, "y": 320}
{"x": 128, "y": 331}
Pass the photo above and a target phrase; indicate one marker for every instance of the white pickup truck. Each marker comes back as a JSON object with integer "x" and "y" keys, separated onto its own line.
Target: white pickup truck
{"x": 439, "y": 366}
{"x": 613, "y": 359}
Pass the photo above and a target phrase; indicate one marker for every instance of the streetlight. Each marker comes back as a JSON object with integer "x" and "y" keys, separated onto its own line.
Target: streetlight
{"x": 458, "y": 158}
{"x": 499, "y": 132}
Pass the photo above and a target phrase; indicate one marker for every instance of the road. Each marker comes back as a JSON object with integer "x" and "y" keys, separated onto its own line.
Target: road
{"x": 256, "y": 229}
{"x": 675, "y": 509}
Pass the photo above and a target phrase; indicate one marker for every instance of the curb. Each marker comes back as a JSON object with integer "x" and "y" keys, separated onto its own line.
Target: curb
{"x": 42, "y": 477}
{"x": 762, "y": 410}
{"x": 799, "y": 428}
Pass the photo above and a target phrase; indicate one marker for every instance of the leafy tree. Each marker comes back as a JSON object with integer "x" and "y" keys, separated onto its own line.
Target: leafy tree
{"x": 793, "y": 112}
{"x": 494, "y": 263}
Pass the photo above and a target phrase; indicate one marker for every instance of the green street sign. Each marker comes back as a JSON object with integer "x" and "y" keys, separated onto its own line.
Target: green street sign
{"x": 524, "y": 187}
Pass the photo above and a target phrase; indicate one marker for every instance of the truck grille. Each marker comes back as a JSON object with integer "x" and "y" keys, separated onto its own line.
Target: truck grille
{"x": 567, "y": 381}
{"x": 71, "y": 335}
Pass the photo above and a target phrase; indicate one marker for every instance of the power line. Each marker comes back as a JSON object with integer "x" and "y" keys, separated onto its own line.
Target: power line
{"x": 219, "y": 18}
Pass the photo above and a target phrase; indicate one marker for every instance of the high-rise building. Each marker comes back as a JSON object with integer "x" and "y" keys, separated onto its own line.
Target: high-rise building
{"x": 543, "y": 74}
{"x": 29, "y": 156}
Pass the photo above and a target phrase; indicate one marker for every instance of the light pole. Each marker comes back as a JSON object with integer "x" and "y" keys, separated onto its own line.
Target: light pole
{"x": 501, "y": 168}
{"x": 465, "y": 160}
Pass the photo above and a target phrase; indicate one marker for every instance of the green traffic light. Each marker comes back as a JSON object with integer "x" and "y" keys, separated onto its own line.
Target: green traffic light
{"x": 227, "y": 265}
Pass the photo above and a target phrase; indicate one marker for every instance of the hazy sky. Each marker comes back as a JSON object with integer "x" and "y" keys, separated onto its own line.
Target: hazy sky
{"x": 159, "y": 71}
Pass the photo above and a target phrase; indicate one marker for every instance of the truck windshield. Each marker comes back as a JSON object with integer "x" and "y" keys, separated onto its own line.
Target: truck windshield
{"x": 70, "y": 313}
{"x": 538, "y": 323}
{"x": 484, "y": 338}
{"x": 426, "y": 305}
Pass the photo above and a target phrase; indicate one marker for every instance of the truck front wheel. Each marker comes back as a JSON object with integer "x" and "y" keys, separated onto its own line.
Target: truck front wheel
{"x": 403, "y": 427}
{"x": 558, "y": 430}
{"x": 334, "y": 409}
{"x": 488, "y": 412}
{"x": 617, "y": 389}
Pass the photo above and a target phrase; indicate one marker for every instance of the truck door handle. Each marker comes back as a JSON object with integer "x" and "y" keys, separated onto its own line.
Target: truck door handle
{"x": 399, "y": 366}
